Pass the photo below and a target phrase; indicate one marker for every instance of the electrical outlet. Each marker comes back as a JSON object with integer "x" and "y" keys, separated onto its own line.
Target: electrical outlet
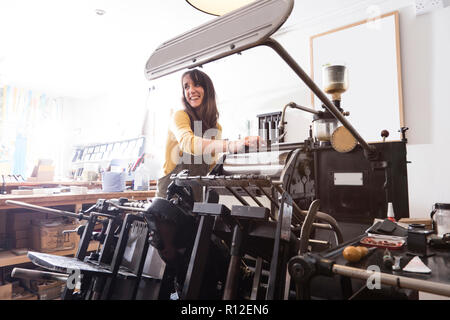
{"x": 425, "y": 6}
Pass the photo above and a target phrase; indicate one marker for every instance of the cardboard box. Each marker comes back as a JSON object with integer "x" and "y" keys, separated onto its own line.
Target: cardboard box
{"x": 38, "y": 216}
{"x": 427, "y": 222}
{"x": 6, "y": 291}
{"x": 19, "y": 222}
{"x": 43, "y": 171}
{"x": 24, "y": 296}
{"x": 47, "y": 236}
{"x": 50, "y": 290}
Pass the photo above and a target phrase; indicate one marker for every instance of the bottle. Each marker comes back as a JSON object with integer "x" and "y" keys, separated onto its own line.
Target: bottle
{"x": 390, "y": 212}
{"x": 141, "y": 181}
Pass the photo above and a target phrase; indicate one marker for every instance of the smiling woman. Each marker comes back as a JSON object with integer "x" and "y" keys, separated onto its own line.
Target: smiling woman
{"x": 194, "y": 139}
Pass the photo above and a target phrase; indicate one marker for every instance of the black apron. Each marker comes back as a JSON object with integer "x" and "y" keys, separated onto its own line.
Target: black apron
{"x": 195, "y": 169}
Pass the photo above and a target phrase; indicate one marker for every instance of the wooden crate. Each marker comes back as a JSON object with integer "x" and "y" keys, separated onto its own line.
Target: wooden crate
{"x": 50, "y": 290}
{"x": 6, "y": 291}
{"x": 47, "y": 236}
{"x": 25, "y": 296}
{"x": 427, "y": 222}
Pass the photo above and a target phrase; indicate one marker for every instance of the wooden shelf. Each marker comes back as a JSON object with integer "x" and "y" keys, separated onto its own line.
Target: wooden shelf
{"x": 7, "y": 258}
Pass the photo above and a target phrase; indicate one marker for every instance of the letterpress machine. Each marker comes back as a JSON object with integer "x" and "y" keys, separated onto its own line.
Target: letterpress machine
{"x": 334, "y": 177}
{"x": 291, "y": 201}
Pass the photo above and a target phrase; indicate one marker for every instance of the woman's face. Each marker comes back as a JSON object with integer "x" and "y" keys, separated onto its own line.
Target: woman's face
{"x": 193, "y": 94}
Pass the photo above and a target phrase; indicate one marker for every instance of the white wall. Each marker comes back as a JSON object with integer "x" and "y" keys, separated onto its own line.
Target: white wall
{"x": 105, "y": 118}
{"x": 425, "y": 52}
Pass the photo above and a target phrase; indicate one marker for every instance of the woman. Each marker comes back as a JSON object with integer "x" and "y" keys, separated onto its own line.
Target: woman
{"x": 193, "y": 141}
{"x": 195, "y": 135}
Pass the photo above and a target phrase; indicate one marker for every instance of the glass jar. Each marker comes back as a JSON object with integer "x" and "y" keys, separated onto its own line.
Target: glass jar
{"x": 324, "y": 128}
{"x": 441, "y": 218}
{"x": 335, "y": 79}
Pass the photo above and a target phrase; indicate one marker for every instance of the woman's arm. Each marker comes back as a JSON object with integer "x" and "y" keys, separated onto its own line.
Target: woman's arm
{"x": 192, "y": 144}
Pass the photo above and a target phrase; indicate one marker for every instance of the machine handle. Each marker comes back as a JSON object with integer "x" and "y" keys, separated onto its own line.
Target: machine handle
{"x": 46, "y": 210}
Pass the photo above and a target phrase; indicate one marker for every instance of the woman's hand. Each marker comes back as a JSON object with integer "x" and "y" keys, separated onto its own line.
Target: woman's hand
{"x": 253, "y": 143}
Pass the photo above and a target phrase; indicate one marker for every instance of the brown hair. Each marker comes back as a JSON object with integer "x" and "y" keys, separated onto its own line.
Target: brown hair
{"x": 207, "y": 113}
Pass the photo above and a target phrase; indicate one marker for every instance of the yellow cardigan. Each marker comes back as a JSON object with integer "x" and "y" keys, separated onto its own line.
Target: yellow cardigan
{"x": 181, "y": 138}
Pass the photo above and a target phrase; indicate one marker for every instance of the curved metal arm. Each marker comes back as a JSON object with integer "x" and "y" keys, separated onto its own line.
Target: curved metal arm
{"x": 319, "y": 216}
{"x": 307, "y": 226}
{"x": 294, "y": 106}
{"x": 333, "y": 223}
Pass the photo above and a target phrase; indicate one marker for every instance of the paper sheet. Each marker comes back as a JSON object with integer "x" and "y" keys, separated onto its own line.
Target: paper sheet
{"x": 416, "y": 265}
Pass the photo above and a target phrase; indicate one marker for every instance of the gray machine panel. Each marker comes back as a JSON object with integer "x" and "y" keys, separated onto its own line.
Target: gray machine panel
{"x": 233, "y": 32}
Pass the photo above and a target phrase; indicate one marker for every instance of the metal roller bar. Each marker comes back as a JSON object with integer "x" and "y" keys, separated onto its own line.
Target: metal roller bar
{"x": 38, "y": 275}
{"x": 126, "y": 208}
{"x": 321, "y": 242}
{"x": 396, "y": 281}
{"x": 69, "y": 214}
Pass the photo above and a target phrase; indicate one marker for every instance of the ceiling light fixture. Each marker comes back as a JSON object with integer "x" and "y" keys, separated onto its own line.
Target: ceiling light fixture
{"x": 218, "y": 7}
{"x": 100, "y": 12}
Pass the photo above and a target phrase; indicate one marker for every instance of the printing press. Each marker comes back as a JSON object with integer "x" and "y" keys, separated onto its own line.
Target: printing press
{"x": 295, "y": 207}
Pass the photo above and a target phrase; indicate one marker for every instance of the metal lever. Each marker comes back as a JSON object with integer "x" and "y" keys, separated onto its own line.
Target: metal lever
{"x": 78, "y": 230}
{"x": 307, "y": 226}
{"x": 46, "y": 210}
{"x": 70, "y": 231}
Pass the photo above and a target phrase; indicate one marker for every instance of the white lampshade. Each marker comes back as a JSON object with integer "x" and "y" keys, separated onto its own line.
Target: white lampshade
{"x": 218, "y": 7}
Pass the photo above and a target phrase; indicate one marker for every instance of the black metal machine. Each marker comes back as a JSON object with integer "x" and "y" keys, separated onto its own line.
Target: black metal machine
{"x": 272, "y": 239}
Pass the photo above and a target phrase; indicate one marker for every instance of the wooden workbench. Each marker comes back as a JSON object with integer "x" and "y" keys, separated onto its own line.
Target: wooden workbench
{"x": 68, "y": 198}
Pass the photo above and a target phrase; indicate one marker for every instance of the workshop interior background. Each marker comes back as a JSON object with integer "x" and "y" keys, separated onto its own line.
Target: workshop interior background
{"x": 71, "y": 75}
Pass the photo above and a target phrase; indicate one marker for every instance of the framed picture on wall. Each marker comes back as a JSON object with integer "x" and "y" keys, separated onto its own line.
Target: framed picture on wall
{"x": 370, "y": 50}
